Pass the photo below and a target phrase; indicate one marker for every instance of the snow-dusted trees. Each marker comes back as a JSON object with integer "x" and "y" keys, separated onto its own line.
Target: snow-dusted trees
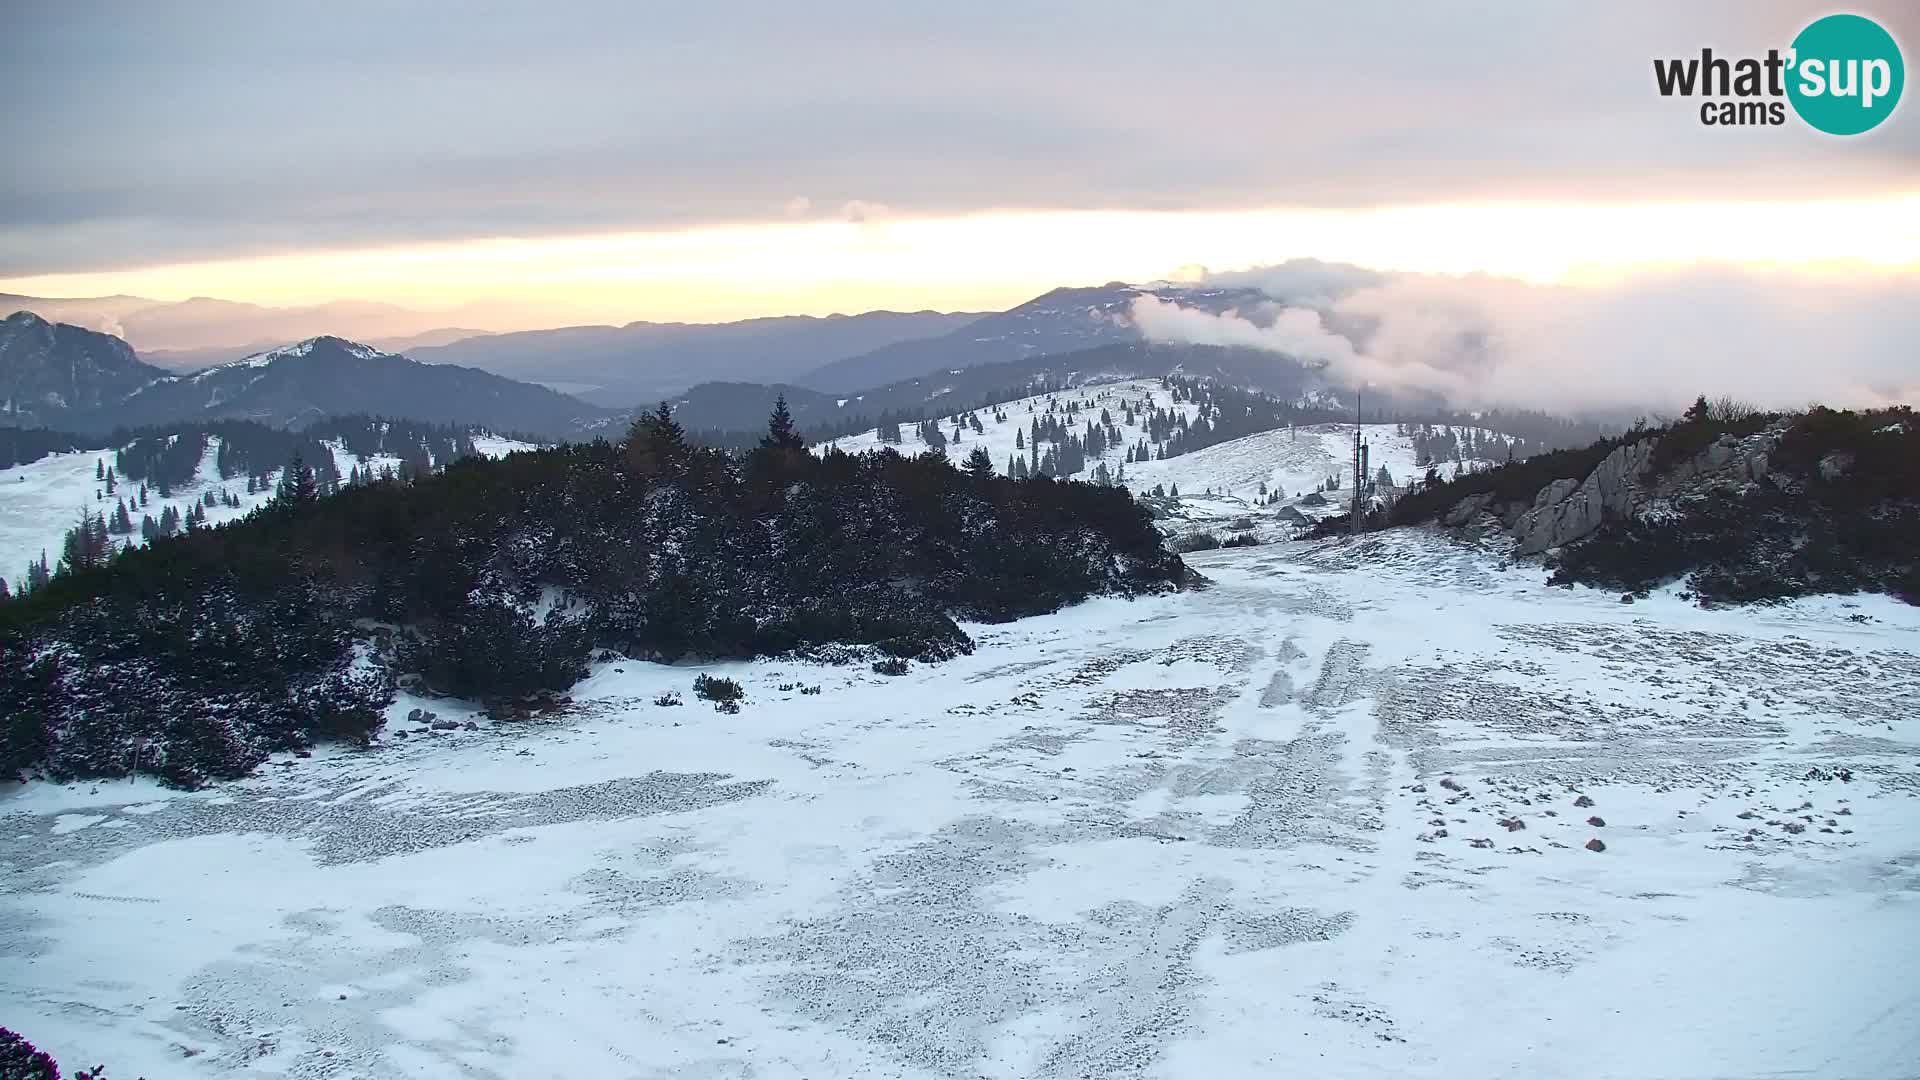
{"x": 297, "y": 485}
{"x": 87, "y": 545}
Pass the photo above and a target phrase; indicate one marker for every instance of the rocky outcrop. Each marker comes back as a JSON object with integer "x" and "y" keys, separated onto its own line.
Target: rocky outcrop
{"x": 1567, "y": 510}
{"x": 1730, "y": 460}
{"x": 1619, "y": 487}
{"x": 1466, "y": 509}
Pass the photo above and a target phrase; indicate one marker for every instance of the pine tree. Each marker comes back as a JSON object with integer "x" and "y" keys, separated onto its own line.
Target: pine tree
{"x": 780, "y": 433}
{"x": 149, "y": 528}
{"x": 110, "y": 480}
{"x": 100, "y": 466}
{"x": 87, "y": 545}
{"x": 143, "y": 496}
{"x": 38, "y": 574}
{"x": 980, "y": 464}
{"x": 1173, "y": 491}
{"x": 656, "y": 443}
{"x": 297, "y": 485}
{"x": 121, "y": 524}
{"x": 4, "y": 594}
{"x": 1019, "y": 440}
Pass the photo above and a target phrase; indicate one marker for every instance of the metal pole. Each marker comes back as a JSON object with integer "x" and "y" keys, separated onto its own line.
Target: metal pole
{"x": 1356, "y": 463}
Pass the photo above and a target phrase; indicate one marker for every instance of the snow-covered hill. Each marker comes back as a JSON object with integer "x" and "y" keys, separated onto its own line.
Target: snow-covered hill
{"x": 1380, "y": 809}
{"x": 1007, "y": 438}
{"x": 41, "y": 500}
{"x": 1215, "y": 483}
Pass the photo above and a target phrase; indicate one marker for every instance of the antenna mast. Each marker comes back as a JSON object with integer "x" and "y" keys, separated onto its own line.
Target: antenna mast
{"x": 1357, "y": 466}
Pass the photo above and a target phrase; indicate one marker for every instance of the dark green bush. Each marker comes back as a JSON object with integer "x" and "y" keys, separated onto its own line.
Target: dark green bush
{"x": 712, "y": 688}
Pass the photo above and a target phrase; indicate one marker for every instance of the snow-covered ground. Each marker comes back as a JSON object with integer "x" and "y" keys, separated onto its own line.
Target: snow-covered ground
{"x": 1252, "y": 830}
{"x": 41, "y": 500}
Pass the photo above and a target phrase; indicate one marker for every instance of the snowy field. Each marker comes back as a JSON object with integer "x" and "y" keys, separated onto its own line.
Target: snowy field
{"x": 1327, "y": 818}
{"x": 41, "y": 500}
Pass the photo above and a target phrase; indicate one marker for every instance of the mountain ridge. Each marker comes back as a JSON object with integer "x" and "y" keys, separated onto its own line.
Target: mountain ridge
{"x": 320, "y": 376}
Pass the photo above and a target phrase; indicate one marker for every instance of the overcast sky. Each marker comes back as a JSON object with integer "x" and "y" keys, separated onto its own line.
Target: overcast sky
{"x": 157, "y": 132}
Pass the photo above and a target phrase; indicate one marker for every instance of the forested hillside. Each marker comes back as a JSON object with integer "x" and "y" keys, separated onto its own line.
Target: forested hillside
{"x": 496, "y": 579}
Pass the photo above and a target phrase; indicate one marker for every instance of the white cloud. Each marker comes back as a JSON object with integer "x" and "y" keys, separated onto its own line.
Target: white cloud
{"x": 1653, "y": 340}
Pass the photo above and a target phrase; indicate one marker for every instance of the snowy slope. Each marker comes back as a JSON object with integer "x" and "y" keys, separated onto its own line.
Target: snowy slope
{"x": 998, "y": 436}
{"x": 1223, "y": 481}
{"x": 41, "y": 500}
{"x": 1216, "y": 483}
{"x": 1253, "y": 830}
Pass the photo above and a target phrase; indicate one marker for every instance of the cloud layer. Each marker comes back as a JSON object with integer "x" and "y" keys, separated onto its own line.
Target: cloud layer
{"x": 1650, "y": 341}
{"x": 155, "y": 133}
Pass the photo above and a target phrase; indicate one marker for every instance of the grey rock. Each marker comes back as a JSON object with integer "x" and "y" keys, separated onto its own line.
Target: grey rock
{"x": 413, "y": 715}
{"x": 1467, "y": 509}
{"x": 446, "y": 725}
{"x": 1568, "y": 510}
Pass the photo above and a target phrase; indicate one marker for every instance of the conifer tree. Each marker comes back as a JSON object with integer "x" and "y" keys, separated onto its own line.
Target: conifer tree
{"x": 980, "y": 464}
{"x": 297, "y": 485}
{"x": 780, "y": 433}
{"x": 657, "y": 444}
{"x": 87, "y": 545}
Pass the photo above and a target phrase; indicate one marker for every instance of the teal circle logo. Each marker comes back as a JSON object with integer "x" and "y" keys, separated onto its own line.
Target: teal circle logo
{"x": 1846, "y": 74}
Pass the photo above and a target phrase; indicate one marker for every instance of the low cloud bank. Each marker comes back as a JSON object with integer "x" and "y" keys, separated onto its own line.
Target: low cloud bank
{"x": 1652, "y": 341}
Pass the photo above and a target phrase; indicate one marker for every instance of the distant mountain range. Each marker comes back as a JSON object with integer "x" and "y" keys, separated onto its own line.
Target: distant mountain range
{"x": 206, "y": 330}
{"x": 639, "y": 363}
{"x": 1064, "y": 320}
{"x": 73, "y": 379}
{"x": 835, "y": 372}
{"x": 742, "y": 407}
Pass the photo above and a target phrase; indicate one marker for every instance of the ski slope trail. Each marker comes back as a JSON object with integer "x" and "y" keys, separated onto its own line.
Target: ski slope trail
{"x": 1325, "y": 817}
